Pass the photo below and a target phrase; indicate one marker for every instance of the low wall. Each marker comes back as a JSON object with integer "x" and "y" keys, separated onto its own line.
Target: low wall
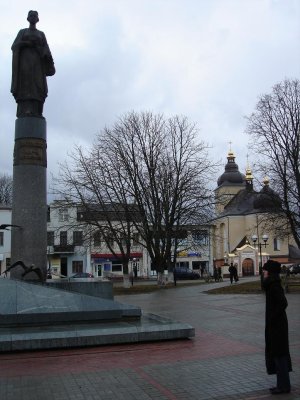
{"x": 90, "y": 286}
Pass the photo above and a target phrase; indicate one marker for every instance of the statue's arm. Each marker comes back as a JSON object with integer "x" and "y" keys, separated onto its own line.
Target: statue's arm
{"x": 48, "y": 59}
{"x": 19, "y": 42}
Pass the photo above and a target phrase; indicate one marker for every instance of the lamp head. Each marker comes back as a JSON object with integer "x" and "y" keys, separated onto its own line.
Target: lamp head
{"x": 254, "y": 238}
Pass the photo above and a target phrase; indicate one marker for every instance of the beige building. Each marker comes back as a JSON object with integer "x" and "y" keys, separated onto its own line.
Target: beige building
{"x": 242, "y": 234}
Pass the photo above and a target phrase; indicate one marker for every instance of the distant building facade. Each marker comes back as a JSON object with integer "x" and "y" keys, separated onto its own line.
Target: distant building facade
{"x": 241, "y": 213}
{"x": 72, "y": 248}
{"x": 66, "y": 251}
{"x": 240, "y": 210}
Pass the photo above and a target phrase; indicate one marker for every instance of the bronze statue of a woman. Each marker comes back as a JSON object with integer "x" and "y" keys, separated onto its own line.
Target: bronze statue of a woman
{"x": 32, "y": 62}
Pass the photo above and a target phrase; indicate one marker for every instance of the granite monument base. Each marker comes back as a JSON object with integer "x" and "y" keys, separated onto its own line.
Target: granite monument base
{"x": 89, "y": 286}
{"x": 34, "y": 317}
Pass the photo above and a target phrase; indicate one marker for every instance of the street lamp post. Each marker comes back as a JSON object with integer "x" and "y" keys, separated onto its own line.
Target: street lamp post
{"x": 133, "y": 268}
{"x": 259, "y": 244}
{"x": 172, "y": 259}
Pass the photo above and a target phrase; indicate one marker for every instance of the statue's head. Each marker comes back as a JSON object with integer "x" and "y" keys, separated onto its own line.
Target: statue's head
{"x": 33, "y": 16}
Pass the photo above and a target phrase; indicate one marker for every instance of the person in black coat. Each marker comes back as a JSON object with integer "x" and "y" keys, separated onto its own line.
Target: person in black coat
{"x": 278, "y": 360}
{"x": 233, "y": 274}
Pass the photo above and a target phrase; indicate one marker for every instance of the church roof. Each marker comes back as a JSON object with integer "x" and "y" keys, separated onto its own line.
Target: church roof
{"x": 232, "y": 175}
{"x": 247, "y": 200}
{"x": 267, "y": 199}
{"x": 241, "y": 203}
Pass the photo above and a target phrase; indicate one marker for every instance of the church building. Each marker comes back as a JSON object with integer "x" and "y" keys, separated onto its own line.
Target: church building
{"x": 242, "y": 234}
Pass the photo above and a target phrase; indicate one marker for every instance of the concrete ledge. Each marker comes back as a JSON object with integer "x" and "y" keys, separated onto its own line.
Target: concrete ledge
{"x": 35, "y": 317}
{"x": 91, "y": 287}
{"x": 23, "y": 303}
{"x": 149, "y": 328}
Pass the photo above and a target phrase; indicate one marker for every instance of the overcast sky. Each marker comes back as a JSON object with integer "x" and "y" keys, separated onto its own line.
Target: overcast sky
{"x": 207, "y": 59}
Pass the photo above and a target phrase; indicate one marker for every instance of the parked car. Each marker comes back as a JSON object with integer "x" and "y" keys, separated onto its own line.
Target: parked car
{"x": 185, "y": 273}
{"x": 83, "y": 275}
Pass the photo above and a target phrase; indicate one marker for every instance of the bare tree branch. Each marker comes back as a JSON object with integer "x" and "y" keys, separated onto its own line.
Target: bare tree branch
{"x": 274, "y": 129}
{"x": 6, "y": 189}
{"x": 156, "y": 169}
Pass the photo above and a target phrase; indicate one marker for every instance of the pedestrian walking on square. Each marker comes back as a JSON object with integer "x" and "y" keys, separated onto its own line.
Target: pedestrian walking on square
{"x": 278, "y": 360}
{"x": 235, "y": 273}
{"x": 216, "y": 278}
{"x": 202, "y": 271}
{"x": 232, "y": 273}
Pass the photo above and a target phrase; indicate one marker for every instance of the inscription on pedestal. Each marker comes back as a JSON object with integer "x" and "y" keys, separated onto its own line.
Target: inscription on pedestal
{"x": 30, "y": 151}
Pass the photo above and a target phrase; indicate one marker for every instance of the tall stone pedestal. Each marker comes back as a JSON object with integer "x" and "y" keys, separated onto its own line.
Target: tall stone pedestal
{"x": 29, "y": 209}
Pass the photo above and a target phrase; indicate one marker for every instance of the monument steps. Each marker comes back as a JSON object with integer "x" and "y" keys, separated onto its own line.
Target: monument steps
{"x": 35, "y": 317}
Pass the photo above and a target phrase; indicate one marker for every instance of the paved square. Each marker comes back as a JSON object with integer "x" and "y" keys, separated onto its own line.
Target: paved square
{"x": 224, "y": 361}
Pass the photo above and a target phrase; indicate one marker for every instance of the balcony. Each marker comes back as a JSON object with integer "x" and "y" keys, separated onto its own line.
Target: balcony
{"x": 63, "y": 249}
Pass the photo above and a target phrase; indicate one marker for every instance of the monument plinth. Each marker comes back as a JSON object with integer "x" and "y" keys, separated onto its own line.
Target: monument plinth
{"x": 29, "y": 210}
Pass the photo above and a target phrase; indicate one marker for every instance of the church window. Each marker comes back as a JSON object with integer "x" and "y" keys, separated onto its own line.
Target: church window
{"x": 276, "y": 244}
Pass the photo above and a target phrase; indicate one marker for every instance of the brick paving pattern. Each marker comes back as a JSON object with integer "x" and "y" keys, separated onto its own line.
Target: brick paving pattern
{"x": 224, "y": 361}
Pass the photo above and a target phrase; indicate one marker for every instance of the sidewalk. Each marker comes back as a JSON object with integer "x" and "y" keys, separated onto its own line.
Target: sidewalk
{"x": 224, "y": 361}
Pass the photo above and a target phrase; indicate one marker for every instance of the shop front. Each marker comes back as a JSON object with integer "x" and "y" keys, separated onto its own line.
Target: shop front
{"x": 109, "y": 265}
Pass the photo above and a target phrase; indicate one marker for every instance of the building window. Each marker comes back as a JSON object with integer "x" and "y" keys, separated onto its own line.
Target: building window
{"x": 276, "y": 244}
{"x": 7, "y": 262}
{"x": 116, "y": 268}
{"x": 124, "y": 240}
{"x": 50, "y": 238}
{"x": 135, "y": 239}
{"x": 63, "y": 238}
{"x": 196, "y": 265}
{"x": 97, "y": 239}
{"x": 77, "y": 238}
{"x": 63, "y": 215}
{"x": 48, "y": 214}
{"x": 1, "y": 238}
{"x": 77, "y": 266}
{"x": 182, "y": 264}
{"x": 200, "y": 237}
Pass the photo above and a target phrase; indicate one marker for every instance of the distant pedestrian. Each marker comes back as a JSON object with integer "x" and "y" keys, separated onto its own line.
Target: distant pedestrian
{"x": 175, "y": 276}
{"x": 216, "y": 274}
{"x": 235, "y": 273}
{"x": 232, "y": 272}
{"x": 220, "y": 278}
{"x": 278, "y": 360}
{"x": 202, "y": 271}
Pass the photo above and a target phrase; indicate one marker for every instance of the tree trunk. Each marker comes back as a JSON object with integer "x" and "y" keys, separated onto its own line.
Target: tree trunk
{"x": 126, "y": 281}
{"x": 171, "y": 277}
{"x": 162, "y": 279}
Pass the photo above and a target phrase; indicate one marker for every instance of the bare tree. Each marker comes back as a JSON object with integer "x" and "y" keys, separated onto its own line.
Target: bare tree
{"x": 6, "y": 189}
{"x": 274, "y": 129}
{"x": 105, "y": 211}
{"x": 156, "y": 169}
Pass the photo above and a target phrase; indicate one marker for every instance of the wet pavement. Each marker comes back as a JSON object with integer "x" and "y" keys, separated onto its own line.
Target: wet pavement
{"x": 225, "y": 360}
